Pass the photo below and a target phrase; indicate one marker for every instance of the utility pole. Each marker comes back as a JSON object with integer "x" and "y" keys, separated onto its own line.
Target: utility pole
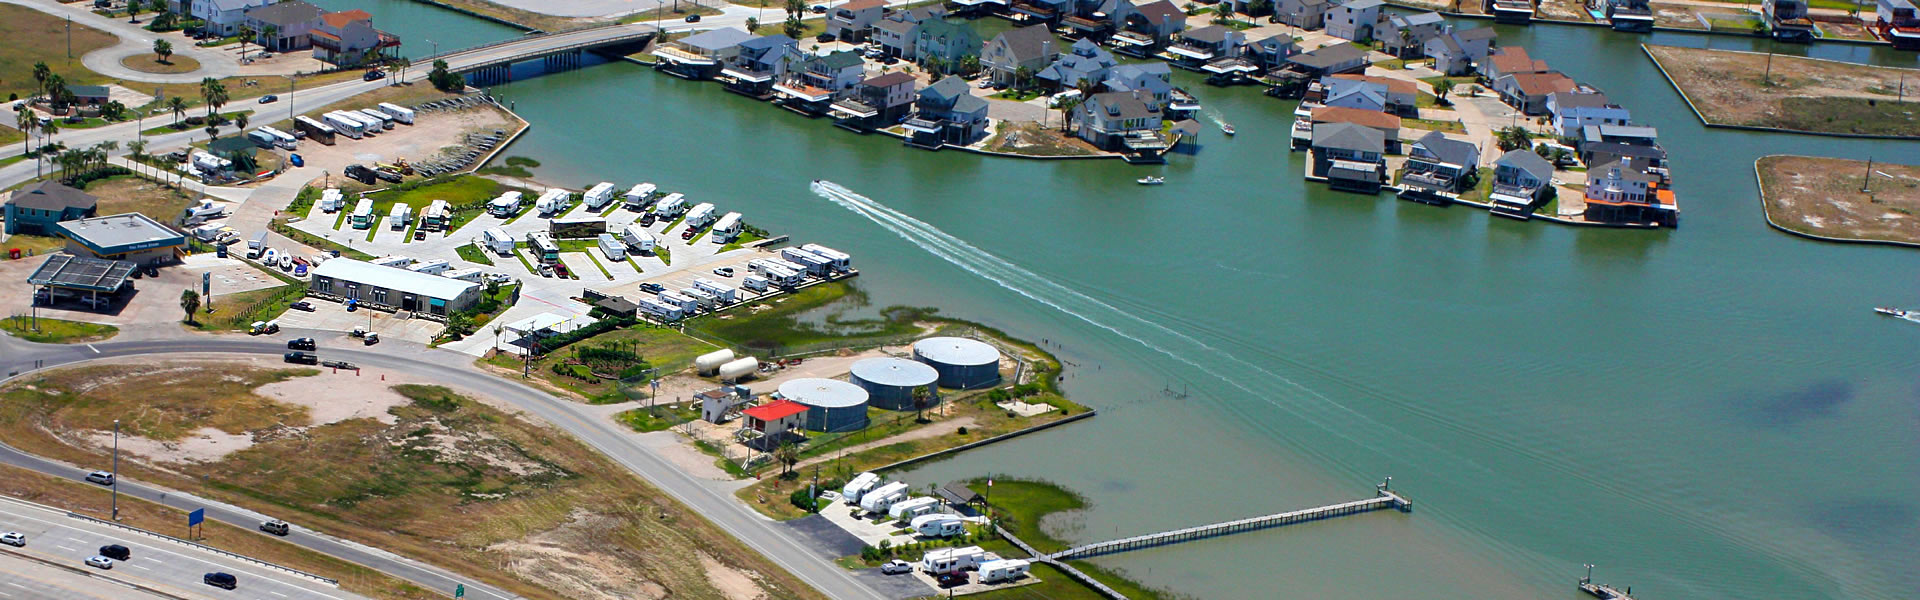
{"x": 1866, "y": 179}
{"x": 69, "y": 40}
{"x": 116, "y": 470}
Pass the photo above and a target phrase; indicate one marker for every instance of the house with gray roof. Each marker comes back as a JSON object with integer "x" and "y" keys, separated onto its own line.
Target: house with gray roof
{"x": 1197, "y": 47}
{"x": 1458, "y": 51}
{"x": 224, "y": 16}
{"x": 33, "y": 210}
{"x": 702, "y": 55}
{"x": 1349, "y": 156}
{"x": 1330, "y": 60}
{"x": 1031, "y": 48}
{"x": 761, "y": 61}
{"x": 816, "y": 83}
{"x": 1405, "y": 36}
{"x": 1437, "y": 163}
{"x": 947, "y": 113}
{"x": 1120, "y": 122}
{"x": 284, "y": 26}
{"x": 1085, "y": 61}
{"x": 1151, "y": 26}
{"x": 1521, "y": 181}
{"x": 1302, "y": 14}
{"x": 1272, "y": 51}
{"x": 1354, "y": 20}
{"x": 1150, "y": 79}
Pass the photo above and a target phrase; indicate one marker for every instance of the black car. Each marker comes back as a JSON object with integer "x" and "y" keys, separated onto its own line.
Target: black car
{"x": 302, "y": 305}
{"x": 116, "y": 552}
{"x": 303, "y": 358}
{"x": 646, "y": 220}
{"x": 301, "y": 344}
{"x": 269, "y": 99}
{"x": 373, "y": 75}
{"x": 221, "y": 580}
{"x": 693, "y": 18}
{"x": 654, "y": 288}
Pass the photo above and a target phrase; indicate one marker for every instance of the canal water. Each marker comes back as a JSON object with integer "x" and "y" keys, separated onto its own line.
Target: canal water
{"x": 1707, "y": 413}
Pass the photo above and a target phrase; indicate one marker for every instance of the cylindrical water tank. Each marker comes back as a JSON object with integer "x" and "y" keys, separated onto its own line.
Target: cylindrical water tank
{"x": 890, "y": 382}
{"x": 738, "y": 368}
{"x": 962, "y": 363}
{"x": 832, "y": 405}
{"x": 711, "y": 361}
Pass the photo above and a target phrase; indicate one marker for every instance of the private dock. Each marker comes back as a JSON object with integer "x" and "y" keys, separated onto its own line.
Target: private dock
{"x": 1383, "y": 498}
{"x": 1601, "y": 590}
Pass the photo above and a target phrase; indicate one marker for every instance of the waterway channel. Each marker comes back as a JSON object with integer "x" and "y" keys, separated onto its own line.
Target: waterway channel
{"x": 1707, "y": 413}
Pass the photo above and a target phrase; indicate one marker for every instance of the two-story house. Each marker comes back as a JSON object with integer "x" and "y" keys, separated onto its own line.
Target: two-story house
{"x": 1327, "y": 60}
{"x": 821, "y": 79}
{"x": 1437, "y": 163}
{"x": 1119, "y": 121}
{"x": 1086, "y": 62}
{"x": 1097, "y": 19}
{"x": 761, "y": 61}
{"x": 1521, "y": 181}
{"x": 1577, "y": 109}
{"x": 1456, "y": 52}
{"x": 1406, "y": 36}
{"x": 946, "y": 113}
{"x": 1016, "y": 55}
{"x": 1634, "y": 16}
{"x": 1151, "y": 26}
{"x": 1898, "y": 23}
{"x": 1388, "y": 125}
{"x": 1271, "y": 52}
{"x": 877, "y": 102}
{"x": 1510, "y": 60}
{"x": 1354, "y": 20}
{"x": 1197, "y": 47}
{"x": 1397, "y": 96}
{"x": 1528, "y": 92}
{"x": 224, "y": 17}
{"x": 853, "y": 21}
{"x": 941, "y": 45}
{"x": 1349, "y": 156}
{"x": 347, "y": 39}
{"x": 1302, "y": 14}
{"x": 33, "y": 210}
{"x": 701, "y": 55}
{"x": 1150, "y": 79}
{"x": 1625, "y": 191}
{"x": 896, "y": 31}
{"x": 1788, "y": 20}
{"x": 284, "y": 26}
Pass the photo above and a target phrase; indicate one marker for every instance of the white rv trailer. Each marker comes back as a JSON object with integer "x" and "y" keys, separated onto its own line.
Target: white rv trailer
{"x": 498, "y": 240}
{"x": 638, "y": 197}
{"x": 940, "y": 525}
{"x": 883, "y": 497}
{"x": 613, "y": 247}
{"x": 952, "y": 560}
{"x": 859, "y": 486}
{"x": 399, "y": 113}
{"x": 598, "y": 196}
{"x": 638, "y": 238}
{"x": 1006, "y": 569}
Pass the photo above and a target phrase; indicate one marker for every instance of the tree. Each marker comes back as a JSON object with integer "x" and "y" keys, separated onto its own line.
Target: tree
{"x": 55, "y": 89}
{"x": 1543, "y": 151}
{"x": 190, "y": 302}
{"x": 1444, "y": 87}
{"x": 753, "y": 24}
{"x": 137, "y": 152}
{"x": 788, "y": 454}
{"x": 113, "y": 110}
{"x": 246, "y": 33}
{"x": 214, "y": 93}
{"x": 1513, "y": 138}
{"x": 270, "y": 33}
{"x": 443, "y": 79}
{"x": 179, "y": 107}
{"x": 921, "y": 400}
{"x": 40, "y": 74}
{"x": 163, "y": 49}
{"x": 1259, "y": 7}
{"x": 240, "y": 122}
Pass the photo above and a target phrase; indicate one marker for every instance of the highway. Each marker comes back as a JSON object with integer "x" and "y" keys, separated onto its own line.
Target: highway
{"x": 165, "y": 568}
{"x": 711, "y": 499}
{"x": 29, "y": 579}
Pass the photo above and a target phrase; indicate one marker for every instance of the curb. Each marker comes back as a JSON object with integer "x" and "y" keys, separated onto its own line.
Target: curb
{"x": 998, "y": 438}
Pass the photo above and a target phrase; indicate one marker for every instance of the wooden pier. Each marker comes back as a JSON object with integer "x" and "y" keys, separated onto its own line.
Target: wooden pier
{"x": 1601, "y": 590}
{"x": 1383, "y": 499}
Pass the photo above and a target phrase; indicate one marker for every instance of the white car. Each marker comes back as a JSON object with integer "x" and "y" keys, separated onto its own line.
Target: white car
{"x": 896, "y": 566}
{"x": 100, "y": 477}
{"x": 13, "y": 538}
{"x": 100, "y": 562}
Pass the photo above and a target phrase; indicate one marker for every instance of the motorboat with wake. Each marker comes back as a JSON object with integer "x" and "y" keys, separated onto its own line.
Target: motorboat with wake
{"x": 1150, "y": 180}
{"x": 1893, "y": 312}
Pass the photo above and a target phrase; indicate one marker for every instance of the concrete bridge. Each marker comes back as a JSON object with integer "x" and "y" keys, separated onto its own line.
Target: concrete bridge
{"x": 488, "y": 64}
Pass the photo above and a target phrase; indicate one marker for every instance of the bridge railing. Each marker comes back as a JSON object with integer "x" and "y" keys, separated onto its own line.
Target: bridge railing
{"x": 559, "y": 50}
{"x": 515, "y": 40}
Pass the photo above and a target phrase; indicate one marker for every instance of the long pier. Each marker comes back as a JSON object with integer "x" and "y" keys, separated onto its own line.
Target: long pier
{"x": 1383, "y": 498}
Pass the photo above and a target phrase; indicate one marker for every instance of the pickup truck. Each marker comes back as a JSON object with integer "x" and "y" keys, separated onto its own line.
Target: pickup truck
{"x": 340, "y": 364}
{"x": 302, "y": 358}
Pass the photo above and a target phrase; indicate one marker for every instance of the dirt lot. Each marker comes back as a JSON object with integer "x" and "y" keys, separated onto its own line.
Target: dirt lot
{"x": 418, "y": 469}
{"x": 431, "y": 133}
{"x": 1821, "y": 196}
{"x": 1676, "y": 15}
{"x": 127, "y": 193}
{"x": 1037, "y": 140}
{"x": 1802, "y": 94}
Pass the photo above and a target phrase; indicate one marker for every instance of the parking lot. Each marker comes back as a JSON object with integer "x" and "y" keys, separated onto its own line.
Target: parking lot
{"x": 328, "y": 315}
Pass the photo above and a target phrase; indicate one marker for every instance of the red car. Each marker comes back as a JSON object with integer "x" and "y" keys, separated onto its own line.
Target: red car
{"x": 689, "y": 234}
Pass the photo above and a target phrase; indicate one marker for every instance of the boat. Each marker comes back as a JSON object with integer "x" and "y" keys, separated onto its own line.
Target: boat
{"x": 1226, "y": 128}
{"x": 1892, "y": 312}
{"x": 286, "y": 262}
{"x": 1150, "y": 180}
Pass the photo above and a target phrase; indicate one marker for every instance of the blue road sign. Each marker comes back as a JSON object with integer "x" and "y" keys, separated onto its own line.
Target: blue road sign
{"x": 198, "y": 516}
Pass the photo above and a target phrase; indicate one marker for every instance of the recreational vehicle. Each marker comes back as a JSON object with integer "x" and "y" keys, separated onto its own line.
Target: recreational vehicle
{"x": 542, "y": 246}
{"x": 859, "y": 486}
{"x": 671, "y": 206}
{"x": 345, "y": 125}
{"x": 400, "y": 216}
{"x": 939, "y": 525}
{"x": 726, "y": 228}
{"x": 437, "y": 216}
{"x": 660, "y": 310}
{"x": 497, "y": 240}
{"x": 685, "y": 304}
{"x": 431, "y": 267}
{"x": 472, "y": 275}
{"x": 841, "y": 261}
{"x": 725, "y": 294}
{"x": 638, "y": 238}
{"x": 263, "y": 139}
{"x": 700, "y": 215}
{"x": 706, "y": 300}
{"x": 282, "y": 139}
{"x": 1006, "y": 569}
{"x": 396, "y": 261}
{"x": 638, "y": 197}
{"x": 883, "y": 497}
{"x": 331, "y": 200}
{"x": 598, "y": 196}
{"x": 363, "y": 214}
{"x": 577, "y": 228}
{"x": 754, "y": 282}
{"x": 399, "y": 113}
{"x": 315, "y": 130}
{"x": 553, "y": 201}
{"x": 913, "y": 507}
{"x": 952, "y": 560}
{"x": 613, "y": 247}
{"x": 506, "y": 205}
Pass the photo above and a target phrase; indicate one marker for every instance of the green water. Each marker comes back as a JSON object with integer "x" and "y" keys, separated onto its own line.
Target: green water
{"x": 1711, "y": 412}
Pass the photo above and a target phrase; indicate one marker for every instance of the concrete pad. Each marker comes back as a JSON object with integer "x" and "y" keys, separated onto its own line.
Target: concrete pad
{"x": 333, "y": 316}
{"x": 865, "y": 526}
{"x": 127, "y": 96}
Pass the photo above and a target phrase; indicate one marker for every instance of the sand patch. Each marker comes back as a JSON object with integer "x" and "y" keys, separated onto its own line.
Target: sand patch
{"x": 204, "y": 445}
{"x": 566, "y": 559}
{"x": 339, "y": 398}
{"x": 736, "y": 584}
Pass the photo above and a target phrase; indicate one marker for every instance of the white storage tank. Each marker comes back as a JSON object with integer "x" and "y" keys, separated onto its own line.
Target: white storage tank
{"x": 739, "y": 368}
{"x": 707, "y": 364}
{"x": 832, "y": 405}
{"x": 890, "y": 382}
{"x": 962, "y": 363}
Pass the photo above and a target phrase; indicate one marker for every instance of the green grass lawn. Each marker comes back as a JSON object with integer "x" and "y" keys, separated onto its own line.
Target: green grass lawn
{"x": 1846, "y": 115}
{"x": 56, "y": 331}
{"x": 1435, "y": 125}
{"x": 664, "y": 349}
{"x": 467, "y": 195}
{"x": 664, "y": 253}
{"x": 33, "y": 36}
{"x": 1480, "y": 192}
{"x": 523, "y": 259}
{"x": 473, "y": 254}
{"x": 170, "y": 128}
{"x": 741, "y": 241}
{"x": 780, "y": 326}
{"x": 698, "y": 236}
{"x": 1018, "y": 95}
{"x": 659, "y": 418}
{"x": 1021, "y": 504}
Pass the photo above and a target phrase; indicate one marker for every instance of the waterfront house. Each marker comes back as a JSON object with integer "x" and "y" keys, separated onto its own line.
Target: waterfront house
{"x": 853, "y": 21}
{"x": 1271, "y": 52}
{"x": 812, "y": 88}
{"x": 1150, "y": 27}
{"x": 1354, "y": 20}
{"x": 1625, "y": 191}
{"x": 877, "y": 102}
{"x": 1085, "y": 62}
{"x": 1197, "y": 47}
{"x": 1630, "y": 15}
{"x": 1302, "y": 14}
{"x": 347, "y": 39}
{"x": 1388, "y": 125}
{"x": 761, "y": 61}
{"x": 1120, "y": 122}
{"x": 1041, "y": 11}
{"x": 1599, "y": 153}
{"x": 1788, "y": 20}
{"x": 1405, "y": 36}
{"x": 34, "y": 209}
{"x": 701, "y": 55}
{"x": 1577, "y": 109}
{"x": 1097, "y": 19}
{"x": 1508, "y": 11}
{"x": 224, "y": 17}
{"x": 1350, "y": 157}
{"x": 1510, "y": 60}
{"x": 1521, "y": 181}
{"x": 1898, "y": 23}
{"x": 1528, "y": 92}
{"x": 284, "y": 26}
{"x": 1154, "y": 79}
{"x": 946, "y": 113}
{"x": 941, "y": 44}
{"x": 1363, "y": 95}
{"x": 1398, "y": 96}
{"x": 1013, "y": 57}
{"x": 1623, "y": 133}
{"x": 1437, "y": 163}
{"x": 896, "y": 31}
{"x": 1458, "y": 52}
{"x": 1301, "y": 70}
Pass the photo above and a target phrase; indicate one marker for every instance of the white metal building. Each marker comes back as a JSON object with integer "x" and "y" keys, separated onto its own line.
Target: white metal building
{"x": 393, "y": 288}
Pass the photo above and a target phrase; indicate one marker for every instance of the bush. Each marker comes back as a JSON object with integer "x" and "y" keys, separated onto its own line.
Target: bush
{"x": 800, "y": 500}
{"x": 963, "y": 431}
{"x": 870, "y": 554}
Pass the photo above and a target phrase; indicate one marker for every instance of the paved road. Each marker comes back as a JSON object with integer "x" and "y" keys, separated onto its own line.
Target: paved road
{"x": 712, "y": 499}
{"x": 162, "y": 565}
{"x": 135, "y": 41}
{"x": 33, "y": 580}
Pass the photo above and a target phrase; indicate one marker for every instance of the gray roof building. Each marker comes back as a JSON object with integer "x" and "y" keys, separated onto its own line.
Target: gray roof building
{"x": 1449, "y": 150}
{"x": 53, "y": 195}
{"x": 1330, "y": 56}
{"x": 1352, "y": 137}
{"x": 1526, "y": 160}
{"x": 286, "y": 15}
{"x": 1027, "y": 43}
{"x": 716, "y": 40}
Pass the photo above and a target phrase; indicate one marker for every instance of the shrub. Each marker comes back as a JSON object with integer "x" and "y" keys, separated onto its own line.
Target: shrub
{"x": 963, "y": 431}
{"x": 870, "y": 554}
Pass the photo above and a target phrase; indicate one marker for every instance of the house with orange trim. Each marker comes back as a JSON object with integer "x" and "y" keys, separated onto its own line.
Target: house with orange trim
{"x": 1625, "y": 192}
{"x": 347, "y": 39}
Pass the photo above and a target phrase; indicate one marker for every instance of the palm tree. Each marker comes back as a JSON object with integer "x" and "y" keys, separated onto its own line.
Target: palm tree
{"x": 921, "y": 399}
{"x": 1442, "y": 88}
{"x": 163, "y": 49}
{"x": 788, "y": 454}
{"x": 246, "y": 33}
{"x": 215, "y": 94}
{"x": 272, "y": 34}
{"x": 53, "y": 87}
{"x": 240, "y": 122}
{"x": 179, "y": 107}
{"x": 23, "y": 119}
{"x": 40, "y": 74}
{"x": 137, "y": 152}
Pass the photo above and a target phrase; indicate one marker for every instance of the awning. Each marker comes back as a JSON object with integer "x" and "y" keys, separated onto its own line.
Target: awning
{"x": 1190, "y": 52}
{"x": 803, "y": 92}
{"x": 922, "y": 125}
{"x": 747, "y": 76}
{"x": 1132, "y": 39}
{"x": 540, "y": 324}
{"x": 853, "y": 110}
{"x": 676, "y": 55}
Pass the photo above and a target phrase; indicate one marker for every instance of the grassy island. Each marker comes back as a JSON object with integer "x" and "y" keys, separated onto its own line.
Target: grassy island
{"x": 1738, "y": 89}
{"x": 1823, "y": 198}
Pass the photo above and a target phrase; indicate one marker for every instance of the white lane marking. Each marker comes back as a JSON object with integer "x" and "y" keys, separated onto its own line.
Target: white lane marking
{"x": 95, "y": 350}
{"x": 68, "y": 549}
{"x": 241, "y": 566}
{"x": 137, "y": 567}
{"x": 276, "y": 593}
{"x": 17, "y": 585}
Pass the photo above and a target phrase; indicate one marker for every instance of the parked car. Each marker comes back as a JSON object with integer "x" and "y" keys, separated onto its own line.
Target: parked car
{"x": 819, "y": 9}
{"x": 373, "y": 75}
{"x": 689, "y": 233}
{"x": 652, "y": 288}
{"x": 339, "y": 364}
{"x": 276, "y": 527}
{"x": 724, "y": 271}
{"x": 14, "y": 538}
{"x": 221, "y": 580}
{"x": 302, "y": 358}
{"x": 302, "y": 344}
{"x": 896, "y": 567}
{"x": 100, "y": 562}
{"x": 302, "y": 305}
{"x": 100, "y": 477}
{"x": 269, "y": 99}
{"x": 116, "y": 552}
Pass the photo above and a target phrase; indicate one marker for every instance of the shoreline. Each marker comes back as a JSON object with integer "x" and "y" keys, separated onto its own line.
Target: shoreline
{"x": 1704, "y": 121}
{"x": 1760, "y": 181}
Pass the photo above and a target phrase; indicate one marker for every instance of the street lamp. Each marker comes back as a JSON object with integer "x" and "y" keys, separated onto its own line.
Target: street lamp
{"x": 116, "y": 470}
